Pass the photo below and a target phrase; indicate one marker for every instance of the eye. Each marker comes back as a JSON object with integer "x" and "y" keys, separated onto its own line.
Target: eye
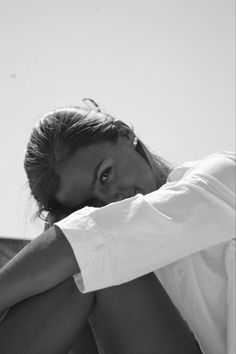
{"x": 105, "y": 175}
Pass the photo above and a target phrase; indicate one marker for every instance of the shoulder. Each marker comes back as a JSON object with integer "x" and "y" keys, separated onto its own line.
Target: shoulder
{"x": 220, "y": 167}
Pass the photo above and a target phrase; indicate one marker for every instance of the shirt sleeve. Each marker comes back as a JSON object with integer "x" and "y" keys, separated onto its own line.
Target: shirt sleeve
{"x": 231, "y": 308}
{"x": 130, "y": 238}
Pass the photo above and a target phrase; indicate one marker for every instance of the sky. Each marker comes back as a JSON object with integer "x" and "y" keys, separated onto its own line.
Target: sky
{"x": 166, "y": 67}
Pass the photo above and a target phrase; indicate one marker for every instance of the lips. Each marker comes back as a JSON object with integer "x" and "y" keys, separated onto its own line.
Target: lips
{"x": 130, "y": 194}
{"x": 133, "y": 193}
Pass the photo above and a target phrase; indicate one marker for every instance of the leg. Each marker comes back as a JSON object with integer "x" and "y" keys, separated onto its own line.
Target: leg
{"x": 139, "y": 318}
{"x": 85, "y": 342}
{"x": 48, "y": 323}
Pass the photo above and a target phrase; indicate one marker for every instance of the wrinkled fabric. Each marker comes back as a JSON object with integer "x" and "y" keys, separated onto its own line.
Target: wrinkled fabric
{"x": 185, "y": 232}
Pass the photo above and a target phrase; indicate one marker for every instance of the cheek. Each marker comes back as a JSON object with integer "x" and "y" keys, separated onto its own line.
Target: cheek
{"x": 134, "y": 171}
{"x": 138, "y": 172}
{"x": 146, "y": 177}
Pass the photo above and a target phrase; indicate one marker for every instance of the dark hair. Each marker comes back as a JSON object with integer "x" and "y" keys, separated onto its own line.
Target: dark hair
{"x": 57, "y": 137}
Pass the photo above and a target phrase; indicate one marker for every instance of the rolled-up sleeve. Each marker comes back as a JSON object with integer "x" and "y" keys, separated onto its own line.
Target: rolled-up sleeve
{"x": 130, "y": 238}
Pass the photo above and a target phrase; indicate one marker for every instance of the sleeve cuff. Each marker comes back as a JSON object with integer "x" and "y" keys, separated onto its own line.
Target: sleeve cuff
{"x": 87, "y": 241}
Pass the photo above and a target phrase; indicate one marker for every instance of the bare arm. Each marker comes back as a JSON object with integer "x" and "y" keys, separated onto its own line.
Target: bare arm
{"x": 42, "y": 264}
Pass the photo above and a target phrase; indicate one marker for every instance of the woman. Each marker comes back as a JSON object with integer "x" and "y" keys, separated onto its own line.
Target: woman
{"x": 141, "y": 216}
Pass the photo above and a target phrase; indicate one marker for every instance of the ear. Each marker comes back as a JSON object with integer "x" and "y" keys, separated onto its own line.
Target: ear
{"x": 123, "y": 130}
{"x": 130, "y": 139}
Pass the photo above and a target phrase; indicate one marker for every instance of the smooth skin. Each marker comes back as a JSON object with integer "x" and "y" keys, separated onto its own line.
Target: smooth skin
{"x": 103, "y": 173}
{"x": 136, "y": 317}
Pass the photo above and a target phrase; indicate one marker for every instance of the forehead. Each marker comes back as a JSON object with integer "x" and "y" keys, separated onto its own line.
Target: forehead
{"x": 76, "y": 174}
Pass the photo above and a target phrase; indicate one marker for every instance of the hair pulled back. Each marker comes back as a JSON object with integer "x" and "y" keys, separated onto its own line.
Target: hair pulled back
{"x": 58, "y": 136}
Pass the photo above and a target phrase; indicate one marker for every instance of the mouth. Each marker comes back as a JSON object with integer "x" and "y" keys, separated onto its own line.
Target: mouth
{"x": 133, "y": 193}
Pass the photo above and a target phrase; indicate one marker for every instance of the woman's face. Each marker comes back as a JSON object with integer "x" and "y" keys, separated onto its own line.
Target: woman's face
{"x": 102, "y": 173}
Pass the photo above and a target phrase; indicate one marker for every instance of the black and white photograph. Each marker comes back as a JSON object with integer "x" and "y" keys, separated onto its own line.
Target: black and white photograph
{"x": 117, "y": 177}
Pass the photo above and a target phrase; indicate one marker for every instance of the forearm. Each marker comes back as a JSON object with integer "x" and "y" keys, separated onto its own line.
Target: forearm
{"x": 42, "y": 264}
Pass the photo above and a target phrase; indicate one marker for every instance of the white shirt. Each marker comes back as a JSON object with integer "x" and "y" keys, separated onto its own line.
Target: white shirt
{"x": 185, "y": 232}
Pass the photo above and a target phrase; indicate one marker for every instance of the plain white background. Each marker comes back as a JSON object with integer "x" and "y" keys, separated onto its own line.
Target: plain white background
{"x": 166, "y": 67}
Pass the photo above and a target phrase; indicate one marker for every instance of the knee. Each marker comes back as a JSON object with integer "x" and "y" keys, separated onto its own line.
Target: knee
{"x": 143, "y": 284}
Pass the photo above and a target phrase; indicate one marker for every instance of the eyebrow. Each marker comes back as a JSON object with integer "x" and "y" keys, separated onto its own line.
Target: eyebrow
{"x": 95, "y": 174}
